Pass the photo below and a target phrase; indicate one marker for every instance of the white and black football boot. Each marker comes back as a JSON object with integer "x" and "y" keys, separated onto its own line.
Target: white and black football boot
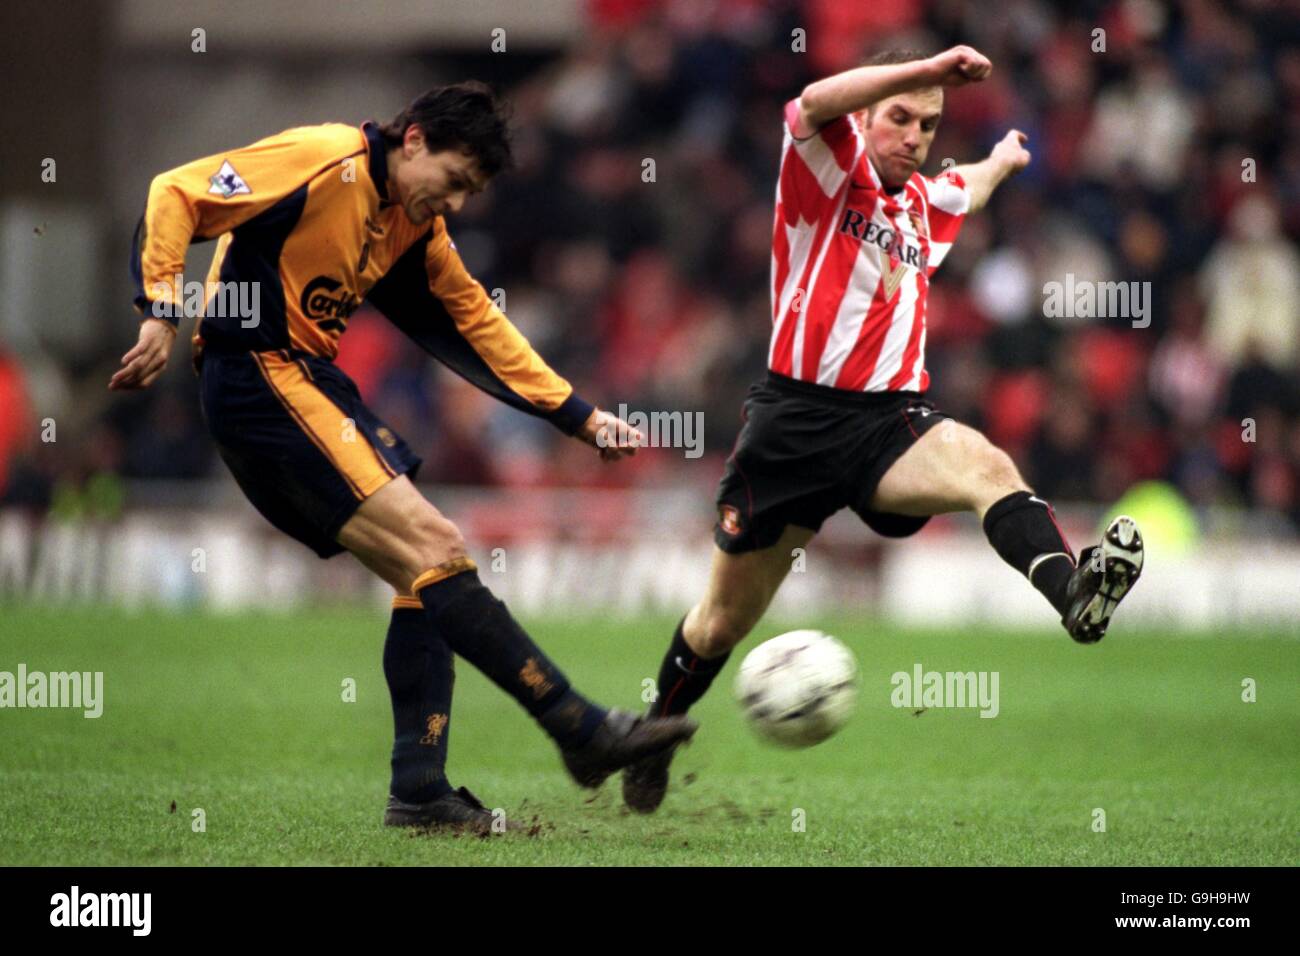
{"x": 1104, "y": 575}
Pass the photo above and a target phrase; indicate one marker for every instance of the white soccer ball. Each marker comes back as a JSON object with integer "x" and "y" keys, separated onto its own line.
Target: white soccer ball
{"x": 799, "y": 688}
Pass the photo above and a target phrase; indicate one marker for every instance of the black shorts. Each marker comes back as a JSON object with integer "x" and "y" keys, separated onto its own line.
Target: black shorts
{"x": 806, "y": 451}
{"x": 300, "y": 442}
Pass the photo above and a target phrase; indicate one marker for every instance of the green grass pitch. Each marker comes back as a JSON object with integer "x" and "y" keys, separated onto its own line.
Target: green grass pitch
{"x": 243, "y": 717}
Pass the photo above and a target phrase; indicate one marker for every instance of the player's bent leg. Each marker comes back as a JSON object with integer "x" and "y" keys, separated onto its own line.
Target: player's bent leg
{"x": 405, "y": 540}
{"x": 953, "y": 467}
{"x": 741, "y": 586}
{"x": 398, "y": 534}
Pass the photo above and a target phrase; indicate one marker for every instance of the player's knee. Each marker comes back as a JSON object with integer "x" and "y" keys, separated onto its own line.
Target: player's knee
{"x": 999, "y": 474}
{"x": 1002, "y": 470}
{"x": 435, "y": 539}
{"x": 722, "y": 629}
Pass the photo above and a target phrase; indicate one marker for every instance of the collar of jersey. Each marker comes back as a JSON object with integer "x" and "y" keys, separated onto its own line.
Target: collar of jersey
{"x": 378, "y": 158}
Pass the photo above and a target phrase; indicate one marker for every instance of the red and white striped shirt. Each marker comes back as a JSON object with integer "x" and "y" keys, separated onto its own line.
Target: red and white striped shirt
{"x": 851, "y": 263}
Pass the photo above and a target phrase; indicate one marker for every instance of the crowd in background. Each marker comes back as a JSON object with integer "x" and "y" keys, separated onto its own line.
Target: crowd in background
{"x": 632, "y": 246}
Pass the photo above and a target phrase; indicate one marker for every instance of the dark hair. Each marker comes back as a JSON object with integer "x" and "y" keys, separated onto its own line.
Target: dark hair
{"x": 465, "y": 116}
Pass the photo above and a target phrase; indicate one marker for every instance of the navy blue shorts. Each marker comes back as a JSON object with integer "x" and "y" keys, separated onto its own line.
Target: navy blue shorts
{"x": 300, "y": 442}
{"x": 806, "y": 451}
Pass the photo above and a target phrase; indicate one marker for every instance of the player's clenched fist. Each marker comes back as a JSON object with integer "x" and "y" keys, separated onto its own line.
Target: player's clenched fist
{"x": 148, "y": 358}
{"x": 614, "y": 437}
{"x": 1011, "y": 152}
{"x": 960, "y": 65}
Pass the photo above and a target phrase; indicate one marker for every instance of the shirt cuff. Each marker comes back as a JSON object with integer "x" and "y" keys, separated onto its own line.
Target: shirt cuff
{"x": 572, "y": 414}
{"x": 159, "y": 310}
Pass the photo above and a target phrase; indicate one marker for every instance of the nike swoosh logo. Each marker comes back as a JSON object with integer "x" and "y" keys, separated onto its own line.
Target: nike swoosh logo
{"x": 1040, "y": 501}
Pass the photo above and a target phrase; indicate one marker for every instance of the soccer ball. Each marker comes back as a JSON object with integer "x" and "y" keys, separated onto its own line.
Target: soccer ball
{"x": 799, "y": 688}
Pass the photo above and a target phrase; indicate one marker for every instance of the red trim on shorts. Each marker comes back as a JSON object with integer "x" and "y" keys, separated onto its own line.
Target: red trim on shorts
{"x": 909, "y": 423}
{"x": 749, "y": 491}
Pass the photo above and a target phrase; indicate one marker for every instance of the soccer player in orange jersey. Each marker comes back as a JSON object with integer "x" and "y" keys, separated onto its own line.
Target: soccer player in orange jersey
{"x": 308, "y": 224}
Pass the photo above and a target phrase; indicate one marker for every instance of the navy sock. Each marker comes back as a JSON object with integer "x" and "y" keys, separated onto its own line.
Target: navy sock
{"x": 684, "y": 676}
{"x": 481, "y": 629}
{"x": 1023, "y": 530}
{"x": 418, "y": 667}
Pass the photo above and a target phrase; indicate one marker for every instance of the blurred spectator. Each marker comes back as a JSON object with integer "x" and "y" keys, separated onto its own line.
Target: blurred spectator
{"x": 1252, "y": 285}
{"x": 633, "y": 242}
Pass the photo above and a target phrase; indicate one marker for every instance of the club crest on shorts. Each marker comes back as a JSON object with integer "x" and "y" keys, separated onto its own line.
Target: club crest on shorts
{"x": 386, "y": 436}
{"x": 226, "y": 182}
{"x": 729, "y": 519}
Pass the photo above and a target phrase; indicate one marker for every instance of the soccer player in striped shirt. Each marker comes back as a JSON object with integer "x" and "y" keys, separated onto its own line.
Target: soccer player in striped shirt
{"x": 309, "y": 223}
{"x": 841, "y": 419}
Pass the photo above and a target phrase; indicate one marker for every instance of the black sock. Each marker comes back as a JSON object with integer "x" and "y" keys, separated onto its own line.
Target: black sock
{"x": 418, "y": 667}
{"x": 481, "y": 629}
{"x": 1023, "y": 530}
{"x": 684, "y": 676}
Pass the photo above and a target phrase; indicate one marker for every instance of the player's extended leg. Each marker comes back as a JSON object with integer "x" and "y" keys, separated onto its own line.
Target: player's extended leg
{"x": 741, "y": 586}
{"x": 405, "y": 540}
{"x": 953, "y": 467}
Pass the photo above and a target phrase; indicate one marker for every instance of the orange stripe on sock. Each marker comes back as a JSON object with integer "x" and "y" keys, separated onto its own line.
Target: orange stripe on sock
{"x": 443, "y": 571}
{"x": 401, "y": 601}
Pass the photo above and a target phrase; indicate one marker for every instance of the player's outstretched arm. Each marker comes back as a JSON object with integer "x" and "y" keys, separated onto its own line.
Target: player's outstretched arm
{"x": 857, "y": 89}
{"x": 1009, "y": 156}
{"x": 529, "y": 382}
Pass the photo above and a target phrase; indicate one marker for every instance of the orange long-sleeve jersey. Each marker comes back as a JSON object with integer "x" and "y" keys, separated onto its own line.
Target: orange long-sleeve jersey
{"x": 305, "y": 232}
